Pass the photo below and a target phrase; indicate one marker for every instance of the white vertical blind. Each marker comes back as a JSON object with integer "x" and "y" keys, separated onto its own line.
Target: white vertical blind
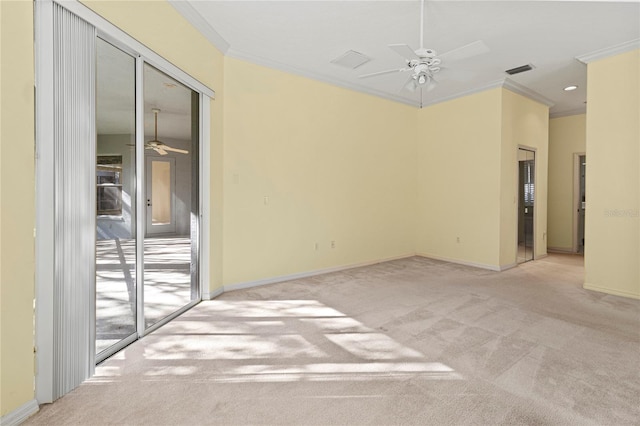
{"x": 74, "y": 142}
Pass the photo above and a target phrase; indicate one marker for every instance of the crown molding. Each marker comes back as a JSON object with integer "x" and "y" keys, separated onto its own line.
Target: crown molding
{"x": 233, "y": 53}
{"x": 526, "y": 92}
{"x": 194, "y": 18}
{"x": 491, "y": 85}
{"x": 503, "y": 82}
{"x": 567, "y": 113}
{"x": 609, "y": 51}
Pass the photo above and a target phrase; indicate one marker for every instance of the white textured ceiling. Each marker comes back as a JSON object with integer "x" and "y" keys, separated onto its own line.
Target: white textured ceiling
{"x": 304, "y": 36}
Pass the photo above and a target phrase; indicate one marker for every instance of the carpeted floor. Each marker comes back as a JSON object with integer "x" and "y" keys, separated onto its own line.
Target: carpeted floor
{"x": 412, "y": 341}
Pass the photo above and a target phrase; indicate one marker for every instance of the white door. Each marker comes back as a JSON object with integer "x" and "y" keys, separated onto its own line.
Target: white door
{"x": 160, "y": 195}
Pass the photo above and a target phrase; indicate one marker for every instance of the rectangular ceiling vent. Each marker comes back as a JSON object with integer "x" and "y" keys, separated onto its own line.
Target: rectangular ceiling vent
{"x": 351, "y": 59}
{"x": 518, "y": 70}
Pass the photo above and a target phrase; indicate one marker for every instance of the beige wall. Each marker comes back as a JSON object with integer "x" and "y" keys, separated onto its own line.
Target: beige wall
{"x": 612, "y": 234}
{"x": 525, "y": 123}
{"x": 468, "y": 176}
{"x": 17, "y": 210}
{"x": 458, "y": 176}
{"x": 567, "y": 136}
{"x": 336, "y": 165}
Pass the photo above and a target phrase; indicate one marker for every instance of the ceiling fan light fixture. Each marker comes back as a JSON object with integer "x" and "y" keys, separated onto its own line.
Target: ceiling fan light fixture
{"x": 422, "y": 79}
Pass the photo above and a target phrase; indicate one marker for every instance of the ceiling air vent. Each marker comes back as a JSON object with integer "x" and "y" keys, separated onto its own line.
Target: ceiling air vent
{"x": 351, "y": 59}
{"x": 518, "y": 70}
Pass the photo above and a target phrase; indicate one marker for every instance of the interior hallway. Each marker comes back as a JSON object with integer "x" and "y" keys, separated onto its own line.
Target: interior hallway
{"x": 412, "y": 341}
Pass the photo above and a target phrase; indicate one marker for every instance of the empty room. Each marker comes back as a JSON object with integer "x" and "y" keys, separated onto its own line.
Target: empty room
{"x": 320, "y": 212}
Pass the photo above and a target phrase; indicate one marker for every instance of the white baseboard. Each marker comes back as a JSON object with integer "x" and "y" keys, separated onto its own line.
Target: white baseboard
{"x": 281, "y": 278}
{"x": 560, "y": 250}
{"x": 299, "y": 275}
{"x": 613, "y": 292}
{"x": 210, "y": 295}
{"x": 509, "y": 266}
{"x": 466, "y": 263}
{"x": 20, "y": 414}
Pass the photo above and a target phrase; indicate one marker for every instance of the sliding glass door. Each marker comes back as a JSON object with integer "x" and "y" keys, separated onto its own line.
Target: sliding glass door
{"x": 116, "y": 273}
{"x": 109, "y": 267}
{"x": 171, "y": 117}
{"x": 146, "y": 258}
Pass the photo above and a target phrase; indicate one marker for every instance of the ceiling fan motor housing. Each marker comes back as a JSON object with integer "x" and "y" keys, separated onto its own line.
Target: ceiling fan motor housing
{"x": 426, "y": 53}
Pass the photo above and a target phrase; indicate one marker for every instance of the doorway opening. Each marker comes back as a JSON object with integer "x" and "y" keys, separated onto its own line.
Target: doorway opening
{"x": 526, "y": 204}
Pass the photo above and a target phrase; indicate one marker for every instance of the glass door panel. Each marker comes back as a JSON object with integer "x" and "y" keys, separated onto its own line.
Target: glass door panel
{"x": 582, "y": 202}
{"x": 526, "y": 205}
{"x": 116, "y": 303}
{"x": 172, "y": 203}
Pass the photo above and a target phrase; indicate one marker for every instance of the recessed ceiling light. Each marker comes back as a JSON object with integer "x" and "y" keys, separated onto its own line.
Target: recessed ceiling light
{"x": 570, "y": 88}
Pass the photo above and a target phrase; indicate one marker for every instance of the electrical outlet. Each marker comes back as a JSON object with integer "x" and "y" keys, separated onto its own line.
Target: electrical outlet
{"x": 457, "y": 239}
{"x": 333, "y": 244}
{"x": 316, "y": 246}
{"x": 266, "y": 200}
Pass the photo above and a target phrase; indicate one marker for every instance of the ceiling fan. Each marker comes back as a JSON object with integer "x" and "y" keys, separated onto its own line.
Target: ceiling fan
{"x": 158, "y": 146}
{"x": 424, "y": 63}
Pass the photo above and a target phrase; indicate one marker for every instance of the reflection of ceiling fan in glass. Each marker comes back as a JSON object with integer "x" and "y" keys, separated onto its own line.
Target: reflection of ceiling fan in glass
{"x": 158, "y": 146}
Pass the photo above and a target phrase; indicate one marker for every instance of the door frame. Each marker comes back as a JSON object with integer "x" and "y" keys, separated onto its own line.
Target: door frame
{"x": 535, "y": 204}
{"x": 45, "y": 201}
{"x": 576, "y": 199}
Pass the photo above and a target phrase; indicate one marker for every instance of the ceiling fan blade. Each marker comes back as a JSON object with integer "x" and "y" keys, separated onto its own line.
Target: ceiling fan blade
{"x": 403, "y": 50}
{"x": 373, "y": 74}
{"x": 181, "y": 151}
{"x": 456, "y": 74}
{"x": 466, "y": 51}
{"x": 160, "y": 151}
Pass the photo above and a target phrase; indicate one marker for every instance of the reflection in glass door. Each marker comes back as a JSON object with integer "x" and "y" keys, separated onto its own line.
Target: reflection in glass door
{"x": 582, "y": 170}
{"x": 116, "y": 302}
{"x": 161, "y": 189}
{"x": 171, "y": 113}
{"x": 146, "y": 262}
{"x": 526, "y": 204}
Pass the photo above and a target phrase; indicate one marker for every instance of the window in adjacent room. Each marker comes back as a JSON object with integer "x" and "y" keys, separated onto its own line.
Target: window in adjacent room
{"x": 109, "y": 183}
